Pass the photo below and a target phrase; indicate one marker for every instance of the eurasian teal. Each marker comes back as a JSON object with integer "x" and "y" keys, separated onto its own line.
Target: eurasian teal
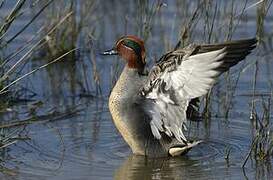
{"x": 150, "y": 109}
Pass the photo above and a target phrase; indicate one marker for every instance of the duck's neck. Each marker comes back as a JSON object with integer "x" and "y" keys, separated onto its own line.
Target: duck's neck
{"x": 121, "y": 105}
{"x": 129, "y": 82}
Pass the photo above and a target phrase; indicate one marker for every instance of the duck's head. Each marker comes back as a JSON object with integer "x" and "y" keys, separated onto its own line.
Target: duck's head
{"x": 131, "y": 49}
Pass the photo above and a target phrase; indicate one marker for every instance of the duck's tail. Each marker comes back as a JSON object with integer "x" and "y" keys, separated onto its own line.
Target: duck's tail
{"x": 181, "y": 150}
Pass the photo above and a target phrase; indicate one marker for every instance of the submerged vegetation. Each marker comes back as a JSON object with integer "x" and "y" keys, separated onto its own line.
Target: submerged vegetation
{"x": 72, "y": 33}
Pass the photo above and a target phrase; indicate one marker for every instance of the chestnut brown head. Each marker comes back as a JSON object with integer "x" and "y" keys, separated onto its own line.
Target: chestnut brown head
{"x": 130, "y": 48}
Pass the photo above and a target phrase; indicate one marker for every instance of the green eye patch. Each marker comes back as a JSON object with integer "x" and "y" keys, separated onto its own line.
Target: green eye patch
{"x": 133, "y": 45}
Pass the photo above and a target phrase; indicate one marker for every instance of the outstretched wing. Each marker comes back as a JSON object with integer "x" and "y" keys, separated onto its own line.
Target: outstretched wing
{"x": 182, "y": 75}
{"x": 236, "y": 51}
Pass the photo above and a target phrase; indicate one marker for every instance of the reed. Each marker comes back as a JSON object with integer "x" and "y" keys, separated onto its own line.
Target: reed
{"x": 17, "y": 58}
{"x": 68, "y": 36}
{"x": 219, "y": 24}
{"x": 262, "y": 142}
{"x": 12, "y": 61}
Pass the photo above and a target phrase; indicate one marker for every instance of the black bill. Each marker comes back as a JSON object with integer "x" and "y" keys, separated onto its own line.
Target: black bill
{"x": 110, "y": 52}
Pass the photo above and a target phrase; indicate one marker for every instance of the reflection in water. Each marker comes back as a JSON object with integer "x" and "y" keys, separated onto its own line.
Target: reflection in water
{"x": 199, "y": 163}
{"x": 139, "y": 167}
{"x": 191, "y": 166}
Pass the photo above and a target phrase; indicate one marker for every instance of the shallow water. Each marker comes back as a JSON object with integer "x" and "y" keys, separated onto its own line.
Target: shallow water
{"x": 87, "y": 145}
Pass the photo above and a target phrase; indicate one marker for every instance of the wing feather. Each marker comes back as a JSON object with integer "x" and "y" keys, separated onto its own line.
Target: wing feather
{"x": 182, "y": 76}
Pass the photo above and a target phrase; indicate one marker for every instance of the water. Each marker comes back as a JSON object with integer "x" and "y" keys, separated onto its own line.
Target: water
{"x": 88, "y": 146}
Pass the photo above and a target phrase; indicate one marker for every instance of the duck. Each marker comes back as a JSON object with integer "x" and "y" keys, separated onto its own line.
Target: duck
{"x": 150, "y": 108}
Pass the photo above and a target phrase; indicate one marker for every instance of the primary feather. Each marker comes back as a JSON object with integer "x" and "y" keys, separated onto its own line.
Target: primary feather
{"x": 182, "y": 76}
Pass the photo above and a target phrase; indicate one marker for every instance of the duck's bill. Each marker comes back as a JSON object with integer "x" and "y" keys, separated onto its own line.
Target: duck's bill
{"x": 110, "y": 52}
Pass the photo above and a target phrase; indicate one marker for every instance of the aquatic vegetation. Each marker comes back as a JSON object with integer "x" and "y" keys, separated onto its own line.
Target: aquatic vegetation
{"x": 262, "y": 141}
{"x": 16, "y": 59}
{"x": 75, "y": 30}
{"x": 13, "y": 60}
